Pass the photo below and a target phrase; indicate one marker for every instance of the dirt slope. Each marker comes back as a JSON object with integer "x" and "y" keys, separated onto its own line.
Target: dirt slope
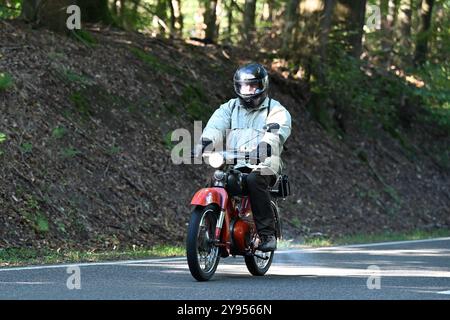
{"x": 87, "y": 160}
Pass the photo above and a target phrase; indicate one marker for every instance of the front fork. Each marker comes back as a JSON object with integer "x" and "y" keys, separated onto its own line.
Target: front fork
{"x": 219, "y": 224}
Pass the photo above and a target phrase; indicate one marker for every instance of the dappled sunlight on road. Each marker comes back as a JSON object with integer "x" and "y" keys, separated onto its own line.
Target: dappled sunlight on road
{"x": 296, "y": 269}
{"x": 399, "y": 253}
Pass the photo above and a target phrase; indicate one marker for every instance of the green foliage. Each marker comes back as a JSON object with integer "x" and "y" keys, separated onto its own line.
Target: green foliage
{"x": 70, "y": 152}
{"x": 296, "y": 222}
{"x": 392, "y": 192}
{"x": 3, "y": 138}
{"x": 53, "y": 55}
{"x": 132, "y": 19}
{"x": 153, "y": 62}
{"x": 58, "y": 132}
{"x": 11, "y": 9}
{"x": 81, "y": 104}
{"x": 368, "y": 95}
{"x": 41, "y": 224}
{"x": 194, "y": 100}
{"x": 26, "y": 256}
{"x": 435, "y": 93}
{"x": 171, "y": 108}
{"x": 72, "y": 76}
{"x": 26, "y": 147}
{"x": 391, "y": 236}
{"x": 362, "y": 155}
{"x": 440, "y": 33}
{"x": 32, "y": 213}
{"x": 6, "y": 81}
{"x": 168, "y": 141}
{"x": 84, "y": 37}
{"x": 61, "y": 227}
{"x": 113, "y": 150}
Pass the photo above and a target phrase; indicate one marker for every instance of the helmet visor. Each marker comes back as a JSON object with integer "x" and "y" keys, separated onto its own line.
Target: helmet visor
{"x": 250, "y": 87}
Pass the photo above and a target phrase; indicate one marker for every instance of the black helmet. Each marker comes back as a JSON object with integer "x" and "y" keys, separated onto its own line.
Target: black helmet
{"x": 251, "y": 84}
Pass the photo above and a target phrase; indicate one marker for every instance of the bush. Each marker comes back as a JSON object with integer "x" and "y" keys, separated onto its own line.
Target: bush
{"x": 3, "y": 138}
{"x": 5, "y": 81}
{"x": 12, "y": 10}
{"x": 367, "y": 94}
{"x": 435, "y": 93}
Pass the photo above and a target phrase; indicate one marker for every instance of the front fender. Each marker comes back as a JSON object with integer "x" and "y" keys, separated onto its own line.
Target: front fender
{"x": 206, "y": 196}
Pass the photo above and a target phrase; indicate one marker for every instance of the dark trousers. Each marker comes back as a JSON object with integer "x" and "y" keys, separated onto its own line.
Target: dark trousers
{"x": 258, "y": 190}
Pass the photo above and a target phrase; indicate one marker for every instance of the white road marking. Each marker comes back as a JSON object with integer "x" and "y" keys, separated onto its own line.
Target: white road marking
{"x": 126, "y": 262}
{"x": 378, "y": 244}
{"x": 291, "y": 270}
{"x": 24, "y": 282}
{"x": 89, "y": 264}
{"x": 444, "y": 292}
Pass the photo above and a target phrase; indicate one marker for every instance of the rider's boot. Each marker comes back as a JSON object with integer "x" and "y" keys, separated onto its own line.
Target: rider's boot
{"x": 268, "y": 243}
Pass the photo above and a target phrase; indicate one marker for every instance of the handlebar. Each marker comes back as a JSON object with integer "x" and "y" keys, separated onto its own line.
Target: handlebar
{"x": 233, "y": 155}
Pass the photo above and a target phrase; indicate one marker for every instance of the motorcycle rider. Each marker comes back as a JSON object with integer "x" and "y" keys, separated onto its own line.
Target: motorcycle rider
{"x": 242, "y": 121}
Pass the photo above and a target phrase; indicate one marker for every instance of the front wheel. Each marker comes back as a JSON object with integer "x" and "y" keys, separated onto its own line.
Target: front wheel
{"x": 202, "y": 255}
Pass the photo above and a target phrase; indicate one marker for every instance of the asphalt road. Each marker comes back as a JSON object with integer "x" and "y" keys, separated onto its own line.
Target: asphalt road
{"x": 401, "y": 270}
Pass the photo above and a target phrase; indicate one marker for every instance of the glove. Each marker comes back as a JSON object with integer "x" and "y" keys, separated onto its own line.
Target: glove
{"x": 262, "y": 152}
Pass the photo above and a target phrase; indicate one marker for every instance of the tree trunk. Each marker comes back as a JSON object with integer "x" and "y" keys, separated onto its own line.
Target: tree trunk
{"x": 291, "y": 17}
{"x": 424, "y": 30}
{"x": 172, "y": 18}
{"x": 438, "y": 46}
{"x": 404, "y": 24}
{"x": 351, "y": 15}
{"x": 230, "y": 20}
{"x": 325, "y": 27}
{"x": 94, "y": 11}
{"x": 249, "y": 20}
{"x": 389, "y": 10}
{"x": 30, "y": 9}
{"x": 176, "y": 19}
{"x": 136, "y": 4}
{"x": 210, "y": 20}
{"x": 161, "y": 13}
{"x": 271, "y": 9}
{"x": 179, "y": 17}
{"x": 51, "y": 14}
{"x": 122, "y": 8}
{"x": 307, "y": 36}
{"x": 115, "y": 9}
{"x": 385, "y": 25}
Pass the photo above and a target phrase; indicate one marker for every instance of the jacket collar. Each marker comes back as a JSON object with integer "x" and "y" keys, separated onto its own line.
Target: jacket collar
{"x": 263, "y": 105}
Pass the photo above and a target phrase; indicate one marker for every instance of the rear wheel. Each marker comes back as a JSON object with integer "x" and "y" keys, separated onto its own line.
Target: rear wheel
{"x": 276, "y": 215}
{"x": 202, "y": 255}
{"x": 258, "y": 266}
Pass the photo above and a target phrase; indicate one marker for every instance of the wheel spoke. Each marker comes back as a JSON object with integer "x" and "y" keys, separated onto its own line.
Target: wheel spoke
{"x": 207, "y": 252}
{"x": 262, "y": 263}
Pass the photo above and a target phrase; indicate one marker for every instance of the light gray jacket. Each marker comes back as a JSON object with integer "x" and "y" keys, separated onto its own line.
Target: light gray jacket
{"x": 242, "y": 130}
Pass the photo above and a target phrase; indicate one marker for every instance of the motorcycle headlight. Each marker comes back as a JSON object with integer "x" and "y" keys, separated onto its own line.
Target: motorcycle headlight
{"x": 216, "y": 160}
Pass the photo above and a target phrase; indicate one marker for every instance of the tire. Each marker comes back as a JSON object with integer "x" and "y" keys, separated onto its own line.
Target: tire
{"x": 257, "y": 266}
{"x": 199, "y": 244}
{"x": 278, "y": 225}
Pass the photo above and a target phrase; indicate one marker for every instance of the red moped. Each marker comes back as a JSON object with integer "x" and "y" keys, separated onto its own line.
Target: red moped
{"x": 222, "y": 223}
